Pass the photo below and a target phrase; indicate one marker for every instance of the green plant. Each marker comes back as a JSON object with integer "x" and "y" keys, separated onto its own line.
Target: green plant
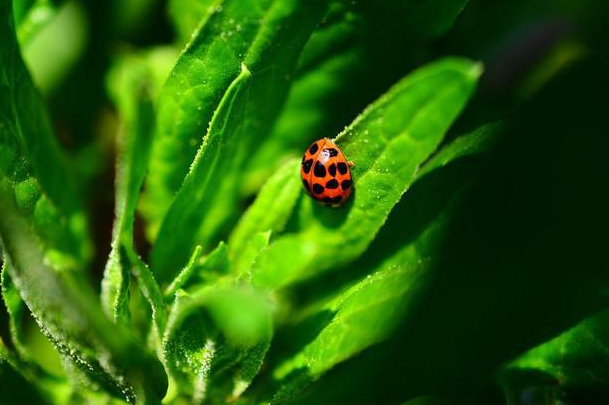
{"x": 436, "y": 283}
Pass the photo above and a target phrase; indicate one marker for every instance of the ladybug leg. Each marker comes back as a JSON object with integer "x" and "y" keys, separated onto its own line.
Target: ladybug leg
{"x": 351, "y": 163}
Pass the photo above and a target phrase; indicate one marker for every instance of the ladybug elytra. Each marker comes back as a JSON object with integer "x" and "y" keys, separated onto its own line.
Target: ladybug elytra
{"x": 325, "y": 173}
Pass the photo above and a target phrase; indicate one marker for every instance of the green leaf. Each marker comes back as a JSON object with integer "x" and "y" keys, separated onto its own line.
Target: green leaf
{"x": 390, "y": 278}
{"x": 15, "y": 388}
{"x": 333, "y": 82}
{"x": 151, "y": 291}
{"x": 132, "y": 84}
{"x": 243, "y": 261}
{"x": 270, "y": 210}
{"x": 41, "y": 386}
{"x": 194, "y": 201}
{"x": 200, "y": 271}
{"x": 186, "y": 274}
{"x": 215, "y": 341}
{"x": 188, "y": 15}
{"x": 42, "y": 233}
{"x": 68, "y": 314}
{"x": 575, "y": 360}
{"x": 362, "y": 316}
{"x": 24, "y": 361}
{"x": 478, "y": 141}
{"x": 52, "y": 48}
{"x": 32, "y": 19}
{"x": 387, "y": 143}
{"x": 14, "y": 306}
{"x": 265, "y": 36}
{"x": 31, "y": 158}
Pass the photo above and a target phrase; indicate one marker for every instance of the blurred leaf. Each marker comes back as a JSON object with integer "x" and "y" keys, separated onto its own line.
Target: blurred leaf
{"x": 25, "y": 361}
{"x": 271, "y": 209}
{"x": 14, "y": 307}
{"x": 15, "y": 389}
{"x": 265, "y": 36}
{"x": 354, "y": 55}
{"x": 68, "y": 314}
{"x": 387, "y": 142}
{"x": 138, "y": 75}
{"x": 30, "y": 18}
{"x": 30, "y": 156}
{"x": 52, "y": 48}
{"x": 188, "y": 15}
{"x": 20, "y": 9}
{"x": 215, "y": 342}
{"x": 131, "y": 82}
{"x": 133, "y": 19}
{"x": 38, "y": 204}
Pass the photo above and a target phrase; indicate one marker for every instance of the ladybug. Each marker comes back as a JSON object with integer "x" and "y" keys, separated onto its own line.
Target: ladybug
{"x": 325, "y": 173}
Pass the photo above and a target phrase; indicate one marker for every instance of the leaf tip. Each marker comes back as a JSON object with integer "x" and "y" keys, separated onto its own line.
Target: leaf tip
{"x": 476, "y": 70}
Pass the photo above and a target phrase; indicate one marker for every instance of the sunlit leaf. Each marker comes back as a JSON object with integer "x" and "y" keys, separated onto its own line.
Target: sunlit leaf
{"x": 387, "y": 142}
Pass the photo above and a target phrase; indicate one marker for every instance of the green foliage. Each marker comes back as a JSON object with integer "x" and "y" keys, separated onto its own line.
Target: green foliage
{"x": 132, "y": 82}
{"x": 373, "y": 307}
{"x": 214, "y": 333}
{"x": 239, "y": 37}
{"x": 467, "y": 266}
{"x": 41, "y": 184}
{"x": 31, "y": 16}
{"x": 193, "y": 202}
{"x": 575, "y": 359}
{"x": 15, "y": 386}
{"x": 332, "y": 83}
{"x": 271, "y": 209}
{"x": 387, "y": 143}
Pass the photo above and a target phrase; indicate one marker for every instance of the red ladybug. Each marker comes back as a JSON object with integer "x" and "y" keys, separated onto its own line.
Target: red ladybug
{"x": 325, "y": 173}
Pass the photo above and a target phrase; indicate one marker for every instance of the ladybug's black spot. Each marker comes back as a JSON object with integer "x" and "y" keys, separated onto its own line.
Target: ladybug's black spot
{"x": 332, "y": 170}
{"x": 337, "y": 199}
{"x": 345, "y": 185}
{"x": 306, "y": 166}
{"x": 332, "y": 184}
{"x": 332, "y": 152}
{"x": 327, "y": 199}
{"x": 342, "y": 168}
{"x": 313, "y": 148}
{"x": 306, "y": 184}
{"x": 318, "y": 188}
{"x": 319, "y": 170}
